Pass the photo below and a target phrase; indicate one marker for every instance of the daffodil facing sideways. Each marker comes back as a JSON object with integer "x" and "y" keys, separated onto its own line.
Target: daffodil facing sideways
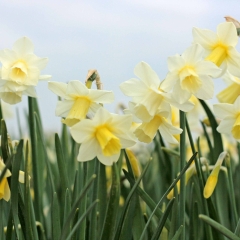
{"x": 232, "y": 91}
{"x": 190, "y": 75}
{"x": 230, "y": 118}
{"x": 213, "y": 177}
{"x": 78, "y": 100}
{"x": 5, "y": 192}
{"x": 220, "y": 46}
{"x": 103, "y": 136}
{"x": 148, "y": 95}
{"x": 162, "y": 122}
{"x": 20, "y": 71}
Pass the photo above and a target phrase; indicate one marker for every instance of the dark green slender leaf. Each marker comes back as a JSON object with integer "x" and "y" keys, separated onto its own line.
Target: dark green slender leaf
{"x": 178, "y": 233}
{"x": 56, "y": 226}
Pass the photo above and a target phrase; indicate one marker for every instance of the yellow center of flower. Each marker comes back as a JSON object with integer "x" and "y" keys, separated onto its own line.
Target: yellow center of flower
{"x": 109, "y": 143}
{"x": 80, "y": 108}
{"x": 2, "y": 187}
{"x": 147, "y": 131}
{"x": 19, "y": 71}
{"x": 189, "y": 79}
{"x": 218, "y": 54}
{"x": 236, "y": 128}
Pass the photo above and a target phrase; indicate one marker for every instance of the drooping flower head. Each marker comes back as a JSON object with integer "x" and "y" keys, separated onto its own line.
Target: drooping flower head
{"x": 190, "y": 75}
{"x": 78, "y": 100}
{"x": 20, "y": 71}
{"x": 220, "y": 46}
{"x": 103, "y": 136}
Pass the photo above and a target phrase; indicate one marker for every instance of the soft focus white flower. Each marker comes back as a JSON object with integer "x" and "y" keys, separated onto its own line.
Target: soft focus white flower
{"x": 103, "y": 136}
{"x": 148, "y": 94}
{"x": 78, "y": 100}
{"x": 220, "y": 46}
{"x": 20, "y": 71}
{"x": 189, "y": 74}
{"x": 230, "y": 118}
{"x": 231, "y": 92}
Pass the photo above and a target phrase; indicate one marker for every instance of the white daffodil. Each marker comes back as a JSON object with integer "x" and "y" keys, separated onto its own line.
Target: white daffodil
{"x": 190, "y": 75}
{"x": 148, "y": 94}
{"x": 21, "y": 65}
{"x": 231, "y": 92}
{"x": 5, "y": 192}
{"x": 103, "y": 136}
{"x": 220, "y": 46}
{"x": 20, "y": 71}
{"x": 230, "y": 118}
{"x": 162, "y": 122}
{"x": 78, "y": 100}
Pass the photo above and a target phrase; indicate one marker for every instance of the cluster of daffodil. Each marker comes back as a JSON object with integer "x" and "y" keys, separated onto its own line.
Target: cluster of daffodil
{"x": 212, "y": 55}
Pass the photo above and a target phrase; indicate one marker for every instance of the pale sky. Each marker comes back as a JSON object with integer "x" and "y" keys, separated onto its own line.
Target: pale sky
{"x": 110, "y": 36}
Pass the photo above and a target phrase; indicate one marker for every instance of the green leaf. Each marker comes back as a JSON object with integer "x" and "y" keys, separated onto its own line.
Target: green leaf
{"x": 237, "y": 230}
{"x": 178, "y": 233}
{"x": 163, "y": 220}
{"x": 56, "y": 226}
{"x": 113, "y": 206}
{"x": 219, "y": 227}
{"x": 4, "y": 142}
{"x": 67, "y": 208}
{"x": 14, "y": 185}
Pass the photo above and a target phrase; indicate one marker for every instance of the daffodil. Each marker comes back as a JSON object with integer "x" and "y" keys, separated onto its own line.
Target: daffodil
{"x": 230, "y": 118}
{"x": 147, "y": 94}
{"x": 220, "y": 46}
{"x": 190, "y": 75}
{"x": 78, "y": 100}
{"x": 20, "y": 71}
{"x": 231, "y": 92}
{"x": 5, "y": 192}
{"x": 103, "y": 136}
{"x": 162, "y": 122}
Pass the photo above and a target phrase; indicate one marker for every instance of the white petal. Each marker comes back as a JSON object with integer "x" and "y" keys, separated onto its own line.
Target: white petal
{"x": 207, "y": 68}
{"x": 21, "y": 177}
{"x": 8, "y": 57}
{"x": 147, "y": 75}
{"x": 170, "y": 81}
{"x": 102, "y": 116}
{"x": 23, "y": 46}
{"x": 193, "y": 54}
{"x": 10, "y": 97}
{"x": 223, "y": 110}
{"x": 58, "y": 88}
{"x": 44, "y": 77}
{"x": 227, "y": 34}
{"x": 133, "y": 87}
{"x": 206, "y": 91}
{"x": 142, "y": 113}
{"x": 7, "y": 192}
{"x": 82, "y": 131}
{"x": 226, "y": 125}
{"x": 236, "y": 105}
{"x": 121, "y": 123}
{"x": 30, "y": 91}
{"x": 175, "y": 63}
{"x": 34, "y": 61}
{"x": 179, "y": 94}
{"x": 204, "y": 37}
{"x": 101, "y": 96}
{"x": 88, "y": 150}
{"x": 108, "y": 161}
{"x": 233, "y": 62}
{"x": 63, "y": 108}
{"x": 166, "y": 135}
{"x": 94, "y": 107}
{"x": 77, "y": 88}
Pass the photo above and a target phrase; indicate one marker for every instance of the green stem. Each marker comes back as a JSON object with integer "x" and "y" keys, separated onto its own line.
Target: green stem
{"x": 182, "y": 165}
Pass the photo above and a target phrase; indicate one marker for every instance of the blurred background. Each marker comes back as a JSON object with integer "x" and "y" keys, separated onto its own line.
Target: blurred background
{"x": 110, "y": 36}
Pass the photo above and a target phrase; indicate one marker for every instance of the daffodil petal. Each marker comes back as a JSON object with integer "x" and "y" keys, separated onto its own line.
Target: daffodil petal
{"x": 101, "y": 96}
{"x": 193, "y": 54}
{"x": 168, "y": 83}
{"x": 204, "y": 37}
{"x": 179, "y": 94}
{"x": 208, "y": 68}
{"x": 226, "y": 125}
{"x": 227, "y": 33}
{"x": 175, "y": 62}
{"x": 7, "y": 192}
{"x": 109, "y": 160}
{"x": 88, "y": 150}
{"x": 63, "y": 108}
{"x": 77, "y": 88}
{"x": 58, "y": 88}
{"x": 233, "y": 62}
{"x": 147, "y": 74}
{"x": 23, "y": 46}
{"x": 223, "y": 110}
{"x": 10, "y": 97}
{"x": 207, "y": 89}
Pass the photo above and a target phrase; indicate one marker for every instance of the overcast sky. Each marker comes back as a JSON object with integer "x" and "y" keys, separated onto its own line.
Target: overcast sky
{"x": 111, "y": 36}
